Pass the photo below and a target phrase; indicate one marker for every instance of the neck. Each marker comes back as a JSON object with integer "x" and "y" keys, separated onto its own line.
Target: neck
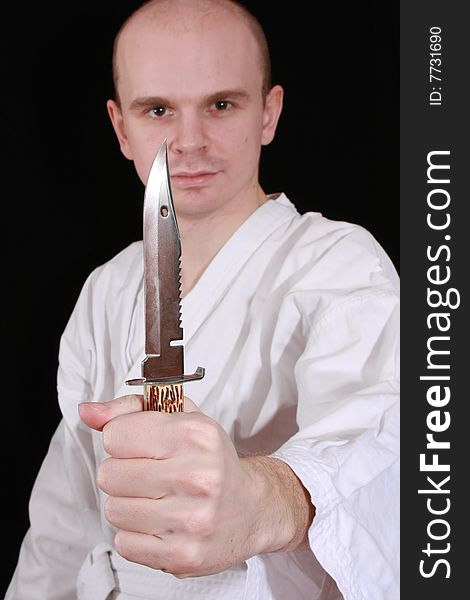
{"x": 203, "y": 236}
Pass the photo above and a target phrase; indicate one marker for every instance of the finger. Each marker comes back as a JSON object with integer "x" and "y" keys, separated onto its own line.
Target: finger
{"x": 160, "y": 517}
{"x": 136, "y": 477}
{"x": 97, "y": 414}
{"x": 158, "y": 553}
{"x": 152, "y": 434}
{"x": 141, "y": 548}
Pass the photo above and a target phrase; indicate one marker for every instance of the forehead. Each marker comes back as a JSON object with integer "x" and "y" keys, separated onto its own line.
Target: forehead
{"x": 202, "y": 56}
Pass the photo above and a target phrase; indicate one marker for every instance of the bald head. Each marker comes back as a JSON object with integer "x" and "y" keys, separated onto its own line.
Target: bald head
{"x": 185, "y": 15}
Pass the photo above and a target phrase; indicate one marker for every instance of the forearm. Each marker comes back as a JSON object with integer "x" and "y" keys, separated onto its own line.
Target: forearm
{"x": 285, "y": 511}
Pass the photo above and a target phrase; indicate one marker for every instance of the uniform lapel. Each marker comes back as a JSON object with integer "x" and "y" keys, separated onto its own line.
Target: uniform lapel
{"x": 229, "y": 261}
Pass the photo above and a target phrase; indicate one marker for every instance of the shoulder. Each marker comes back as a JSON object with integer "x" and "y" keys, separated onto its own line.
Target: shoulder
{"x": 109, "y": 289}
{"x": 326, "y": 254}
{"x": 112, "y": 285}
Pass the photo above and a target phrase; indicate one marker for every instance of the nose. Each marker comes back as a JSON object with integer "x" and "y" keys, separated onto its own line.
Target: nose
{"x": 190, "y": 135}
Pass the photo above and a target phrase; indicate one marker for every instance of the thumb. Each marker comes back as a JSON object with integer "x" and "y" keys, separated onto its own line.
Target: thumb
{"x": 97, "y": 414}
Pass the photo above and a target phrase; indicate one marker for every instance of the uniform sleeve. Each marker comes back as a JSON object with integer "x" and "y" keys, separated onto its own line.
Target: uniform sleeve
{"x": 346, "y": 452}
{"x": 64, "y": 516}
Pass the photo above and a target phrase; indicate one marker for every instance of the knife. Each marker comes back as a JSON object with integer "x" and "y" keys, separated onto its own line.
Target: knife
{"x": 163, "y": 366}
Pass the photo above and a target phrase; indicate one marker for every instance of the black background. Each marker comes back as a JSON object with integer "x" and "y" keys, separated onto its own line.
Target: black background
{"x": 71, "y": 201}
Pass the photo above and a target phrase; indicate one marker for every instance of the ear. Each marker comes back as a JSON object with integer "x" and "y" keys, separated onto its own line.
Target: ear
{"x": 115, "y": 114}
{"x": 271, "y": 114}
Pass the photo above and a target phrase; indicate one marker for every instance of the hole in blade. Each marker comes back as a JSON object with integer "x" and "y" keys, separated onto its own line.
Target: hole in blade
{"x": 164, "y": 211}
{"x": 175, "y": 343}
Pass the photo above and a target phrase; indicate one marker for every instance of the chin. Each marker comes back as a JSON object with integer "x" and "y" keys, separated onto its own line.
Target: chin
{"x": 194, "y": 205}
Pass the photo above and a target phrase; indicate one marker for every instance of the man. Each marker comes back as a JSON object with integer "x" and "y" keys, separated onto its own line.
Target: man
{"x": 280, "y": 479}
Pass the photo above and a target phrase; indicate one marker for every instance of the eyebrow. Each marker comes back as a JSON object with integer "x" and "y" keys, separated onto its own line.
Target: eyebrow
{"x": 150, "y": 101}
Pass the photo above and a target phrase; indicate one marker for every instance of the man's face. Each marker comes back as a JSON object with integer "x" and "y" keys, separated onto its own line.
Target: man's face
{"x": 200, "y": 88}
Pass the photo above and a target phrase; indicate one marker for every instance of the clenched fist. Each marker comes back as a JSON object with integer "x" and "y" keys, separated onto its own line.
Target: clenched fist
{"x": 180, "y": 496}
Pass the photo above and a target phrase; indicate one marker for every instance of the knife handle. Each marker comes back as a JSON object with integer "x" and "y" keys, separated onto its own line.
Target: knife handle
{"x": 164, "y": 398}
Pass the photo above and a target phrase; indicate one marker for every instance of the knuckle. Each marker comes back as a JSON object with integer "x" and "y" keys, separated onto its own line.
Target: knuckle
{"x": 121, "y": 544}
{"x": 126, "y": 546}
{"x": 104, "y": 475}
{"x": 107, "y": 436}
{"x": 203, "y": 433}
{"x": 109, "y": 509}
{"x": 201, "y": 522}
{"x": 117, "y": 434}
{"x": 187, "y": 558}
{"x": 204, "y": 482}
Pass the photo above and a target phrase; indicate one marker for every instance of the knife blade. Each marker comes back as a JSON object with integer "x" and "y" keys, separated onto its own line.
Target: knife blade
{"x": 163, "y": 365}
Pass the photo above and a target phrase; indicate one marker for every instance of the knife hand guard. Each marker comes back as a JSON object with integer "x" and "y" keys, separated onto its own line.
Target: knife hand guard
{"x": 198, "y": 374}
{"x": 166, "y": 393}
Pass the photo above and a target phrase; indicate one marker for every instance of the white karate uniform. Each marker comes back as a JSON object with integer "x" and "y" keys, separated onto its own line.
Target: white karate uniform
{"x": 296, "y": 323}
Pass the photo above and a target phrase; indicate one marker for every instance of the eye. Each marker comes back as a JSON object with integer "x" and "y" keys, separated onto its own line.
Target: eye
{"x": 158, "y": 112}
{"x": 222, "y": 105}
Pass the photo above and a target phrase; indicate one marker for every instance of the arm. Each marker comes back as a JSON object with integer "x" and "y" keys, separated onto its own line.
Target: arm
{"x": 346, "y": 452}
{"x": 290, "y": 513}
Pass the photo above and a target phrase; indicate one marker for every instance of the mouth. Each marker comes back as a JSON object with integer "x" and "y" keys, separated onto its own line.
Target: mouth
{"x": 192, "y": 178}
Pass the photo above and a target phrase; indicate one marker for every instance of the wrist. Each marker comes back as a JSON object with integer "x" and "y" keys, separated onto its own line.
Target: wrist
{"x": 283, "y": 509}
